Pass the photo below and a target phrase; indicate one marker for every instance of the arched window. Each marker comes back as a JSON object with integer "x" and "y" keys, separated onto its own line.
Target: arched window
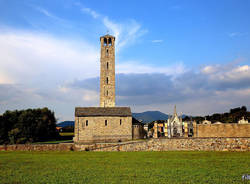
{"x": 109, "y": 42}
{"x": 107, "y": 93}
{"x": 87, "y": 123}
{"x": 107, "y": 52}
{"x": 105, "y": 42}
{"x": 120, "y": 121}
{"x": 107, "y": 65}
{"x": 106, "y": 122}
{"x": 107, "y": 80}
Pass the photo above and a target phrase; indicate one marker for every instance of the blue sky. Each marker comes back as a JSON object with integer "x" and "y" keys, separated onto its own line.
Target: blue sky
{"x": 195, "y": 54}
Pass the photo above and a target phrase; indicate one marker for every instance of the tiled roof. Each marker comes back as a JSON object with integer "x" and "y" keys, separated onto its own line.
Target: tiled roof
{"x": 102, "y": 111}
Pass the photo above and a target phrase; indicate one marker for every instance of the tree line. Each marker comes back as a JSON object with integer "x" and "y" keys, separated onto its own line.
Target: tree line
{"x": 27, "y": 126}
{"x": 233, "y": 116}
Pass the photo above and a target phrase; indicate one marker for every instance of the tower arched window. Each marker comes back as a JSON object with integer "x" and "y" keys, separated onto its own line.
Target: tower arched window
{"x": 105, "y": 42}
{"x": 107, "y": 80}
{"x": 107, "y": 65}
{"x": 106, "y": 122}
{"x": 109, "y": 42}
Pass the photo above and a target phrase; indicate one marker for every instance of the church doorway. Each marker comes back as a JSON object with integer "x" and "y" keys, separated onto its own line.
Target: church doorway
{"x": 175, "y": 134}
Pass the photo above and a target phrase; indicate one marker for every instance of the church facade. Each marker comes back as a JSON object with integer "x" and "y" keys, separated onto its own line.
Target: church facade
{"x": 106, "y": 123}
{"x": 175, "y": 125}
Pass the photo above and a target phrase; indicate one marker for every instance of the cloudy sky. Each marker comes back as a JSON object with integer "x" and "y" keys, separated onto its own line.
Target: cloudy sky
{"x": 195, "y": 54}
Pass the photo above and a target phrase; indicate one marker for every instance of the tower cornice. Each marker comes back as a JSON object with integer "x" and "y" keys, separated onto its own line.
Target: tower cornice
{"x": 107, "y": 36}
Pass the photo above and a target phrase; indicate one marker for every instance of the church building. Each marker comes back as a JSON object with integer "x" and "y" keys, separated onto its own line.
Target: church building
{"x": 106, "y": 123}
{"x": 175, "y": 126}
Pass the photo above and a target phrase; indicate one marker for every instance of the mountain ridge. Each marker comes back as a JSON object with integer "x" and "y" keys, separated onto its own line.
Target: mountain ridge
{"x": 149, "y": 116}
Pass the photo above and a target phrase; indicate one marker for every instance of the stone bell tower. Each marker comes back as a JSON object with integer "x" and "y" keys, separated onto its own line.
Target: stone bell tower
{"x": 107, "y": 71}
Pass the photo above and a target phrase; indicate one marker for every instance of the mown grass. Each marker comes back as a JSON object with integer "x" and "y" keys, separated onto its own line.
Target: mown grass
{"x": 65, "y": 137}
{"x": 124, "y": 167}
{"x": 54, "y": 142}
{"x": 67, "y": 134}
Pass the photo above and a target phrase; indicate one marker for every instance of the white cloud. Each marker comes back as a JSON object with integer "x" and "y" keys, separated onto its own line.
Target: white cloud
{"x": 227, "y": 73}
{"x": 236, "y": 34}
{"x": 4, "y": 78}
{"x": 126, "y": 33}
{"x": 47, "y": 13}
{"x": 88, "y": 11}
{"x": 91, "y": 96}
{"x": 140, "y": 68}
{"x": 27, "y": 56}
{"x": 52, "y": 21}
{"x": 209, "y": 69}
{"x": 157, "y": 41}
{"x": 238, "y": 73}
{"x": 35, "y": 66}
{"x": 91, "y": 12}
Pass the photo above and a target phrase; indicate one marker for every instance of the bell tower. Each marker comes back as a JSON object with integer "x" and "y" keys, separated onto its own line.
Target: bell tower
{"x": 107, "y": 71}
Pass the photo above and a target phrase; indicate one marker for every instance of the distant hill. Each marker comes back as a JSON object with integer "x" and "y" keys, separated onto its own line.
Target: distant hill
{"x": 150, "y": 116}
{"x": 65, "y": 124}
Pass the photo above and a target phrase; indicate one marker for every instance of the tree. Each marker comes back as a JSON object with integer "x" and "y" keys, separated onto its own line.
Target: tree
{"x": 3, "y": 131}
{"x": 29, "y": 125}
{"x": 233, "y": 116}
{"x": 244, "y": 109}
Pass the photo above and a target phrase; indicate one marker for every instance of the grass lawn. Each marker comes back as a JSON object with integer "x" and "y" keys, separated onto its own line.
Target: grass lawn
{"x": 66, "y": 137}
{"x": 66, "y": 134}
{"x": 124, "y": 167}
{"x": 54, "y": 142}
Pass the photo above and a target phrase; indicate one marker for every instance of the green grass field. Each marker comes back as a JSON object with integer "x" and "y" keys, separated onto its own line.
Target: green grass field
{"x": 124, "y": 167}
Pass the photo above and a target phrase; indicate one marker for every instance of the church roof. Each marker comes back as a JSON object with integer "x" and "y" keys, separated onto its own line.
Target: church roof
{"x": 175, "y": 116}
{"x": 102, "y": 111}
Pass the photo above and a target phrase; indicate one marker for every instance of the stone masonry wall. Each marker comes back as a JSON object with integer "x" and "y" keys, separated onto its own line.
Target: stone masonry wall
{"x": 138, "y": 132}
{"x": 180, "y": 144}
{"x": 97, "y": 131}
{"x": 38, "y": 147}
{"x": 223, "y": 130}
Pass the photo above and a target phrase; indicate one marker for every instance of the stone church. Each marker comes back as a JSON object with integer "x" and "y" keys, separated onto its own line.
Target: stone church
{"x": 106, "y": 123}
